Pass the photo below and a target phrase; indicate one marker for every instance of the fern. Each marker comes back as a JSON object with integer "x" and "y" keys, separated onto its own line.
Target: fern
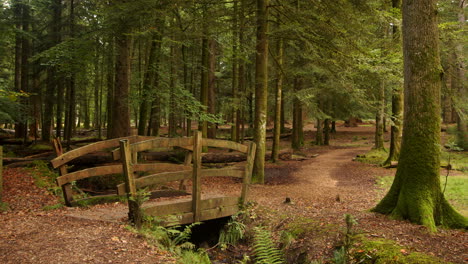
{"x": 232, "y": 232}
{"x": 264, "y": 248}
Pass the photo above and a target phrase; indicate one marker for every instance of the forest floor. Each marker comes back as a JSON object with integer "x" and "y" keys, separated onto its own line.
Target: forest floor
{"x": 321, "y": 188}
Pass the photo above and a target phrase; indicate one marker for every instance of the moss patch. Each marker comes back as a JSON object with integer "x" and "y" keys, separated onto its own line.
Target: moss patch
{"x": 374, "y": 156}
{"x": 386, "y": 251}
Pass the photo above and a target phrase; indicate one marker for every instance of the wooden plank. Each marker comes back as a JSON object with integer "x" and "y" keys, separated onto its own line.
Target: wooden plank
{"x": 225, "y": 172}
{"x": 66, "y": 188}
{"x": 196, "y": 175}
{"x": 181, "y": 219}
{"x": 158, "y": 143}
{"x": 66, "y": 157}
{"x": 162, "y": 178}
{"x": 218, "y": 212}
{"x": 187, "y": 162}
{"x": 160, "y": 167}
{"x": 91, "y": 172}
{"x": 130, "y": 188}
{"x": 248, "y": 171}
{"x": 185, "y": 206}
{"x": 218, "y": 143}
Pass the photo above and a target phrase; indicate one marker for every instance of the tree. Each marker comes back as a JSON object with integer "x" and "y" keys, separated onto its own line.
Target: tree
{"x": 261, "y": 87}
{"x": 397, "y": 102}
{"x": 415, "y": 193}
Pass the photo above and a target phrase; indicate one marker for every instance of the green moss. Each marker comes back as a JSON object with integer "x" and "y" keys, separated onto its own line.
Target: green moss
{"x": 386, "y": 252}
{"x": 4, "y": 207}
{"x": 90, "y": 201}
{"x": 41, "y": 147}
{"x": 374, "y": 156}
{"x": 52, "y": 207}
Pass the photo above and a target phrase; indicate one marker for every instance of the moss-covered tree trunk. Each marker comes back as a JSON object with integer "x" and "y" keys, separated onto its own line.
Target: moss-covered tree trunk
{"x": 261, "y": 87}
{"x": 415, "y": 193}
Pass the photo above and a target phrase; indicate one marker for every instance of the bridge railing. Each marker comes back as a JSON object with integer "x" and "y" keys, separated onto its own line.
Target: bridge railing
{"x": 195, "y": 209}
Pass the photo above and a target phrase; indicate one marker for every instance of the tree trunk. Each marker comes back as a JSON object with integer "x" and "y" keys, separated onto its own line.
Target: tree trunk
{"x": 203, "y": 125}
{"x": 326, "y": 132}
{"x": 261, "y": 90}
{"x": 172, "y": 86}
{"x": 121, "y": 110}
{"x": 319, "y": 133}
{"x": 462, "y": 120}
{"x": 297, "y": 140}
{"x": 415, "y": 193}
{"x": 278, "y": 101}
{"x": 212, "y": 85}
{"x": 379, "y": 118}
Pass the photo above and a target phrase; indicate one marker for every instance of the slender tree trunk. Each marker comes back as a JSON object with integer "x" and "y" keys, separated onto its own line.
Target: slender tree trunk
{"x": 379, "y": 118}
{"x": 297, "y": 140}
{"x": 319, "y": 133}
{"x": 235, "y": 69}
{"x": 110, "y": 81}
{"x": 212, "y": 86}
{"x": 462, "y": 120}
{"x": 333, "y": 127}
{"x": 172, "y": 86}
{"x": 416, "y": 194}
{"x": 240, "y": 121}
{"x": 261, "y": 91}
{"x": 397, "y": 105}
{"x": 203, "y": 125}
{"x": 326, "y": 132}
{"x": 147, "y": 81}
{"x": 278, "y": 101}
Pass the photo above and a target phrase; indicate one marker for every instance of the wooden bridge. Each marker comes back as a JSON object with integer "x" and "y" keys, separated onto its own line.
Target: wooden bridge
{"x": 171, "y": 212}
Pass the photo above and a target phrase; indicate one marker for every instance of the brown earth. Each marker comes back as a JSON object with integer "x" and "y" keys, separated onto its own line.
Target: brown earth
{"x": 322, "y": 190}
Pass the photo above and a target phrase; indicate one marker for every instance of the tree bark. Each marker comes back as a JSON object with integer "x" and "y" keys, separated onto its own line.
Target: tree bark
{"x": 297, "y": 140}
{"x": 415, "y": 193}
{"x": 278, "y": 100}
{"x": 462, "y": 120}
{"x": 261, "y": 91}
{"x": 121, "y": 110}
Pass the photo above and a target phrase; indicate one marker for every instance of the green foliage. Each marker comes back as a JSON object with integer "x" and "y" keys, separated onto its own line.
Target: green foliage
{"x": 341, "y": 255}
{"x": 52, "y": 207}
{"x": 264, "y": 249}
{"x": 90, "y": 200}
{"x": 10, "y": 108}
{"x": 232, "y": 232}
{"x": 4, "y": 206}
{"x": 380, "y": 251}
{"x": 171, "y": 239}
{"x": 44, "y": 177}
{"x": 196, "y": 257}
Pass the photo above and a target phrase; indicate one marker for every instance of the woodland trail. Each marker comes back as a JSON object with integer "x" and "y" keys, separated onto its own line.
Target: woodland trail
{"x": 322, "y": 190}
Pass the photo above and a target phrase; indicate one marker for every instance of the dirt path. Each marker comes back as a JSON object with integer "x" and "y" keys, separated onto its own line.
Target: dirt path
{"x": 331, "y": 185}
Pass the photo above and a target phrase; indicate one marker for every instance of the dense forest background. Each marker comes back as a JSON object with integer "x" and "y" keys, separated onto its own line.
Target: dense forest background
{"x": 114, "y": 66}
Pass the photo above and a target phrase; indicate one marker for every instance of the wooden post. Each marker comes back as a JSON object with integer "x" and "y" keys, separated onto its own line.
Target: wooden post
{"x": 187, "y": 162}
{"x": 66, "y": 188}
{"x": 134, "y": 214}
{"x": 1, "y": 174}
{"x": 196, "y": 175}
{"x": 248, "y": 171}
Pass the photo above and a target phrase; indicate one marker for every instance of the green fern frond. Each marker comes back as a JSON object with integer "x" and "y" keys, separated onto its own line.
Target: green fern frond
{"x": 264, "y": 249}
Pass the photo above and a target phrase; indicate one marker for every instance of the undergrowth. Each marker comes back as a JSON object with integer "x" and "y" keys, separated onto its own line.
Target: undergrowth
{"x": 45, "y": 177}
